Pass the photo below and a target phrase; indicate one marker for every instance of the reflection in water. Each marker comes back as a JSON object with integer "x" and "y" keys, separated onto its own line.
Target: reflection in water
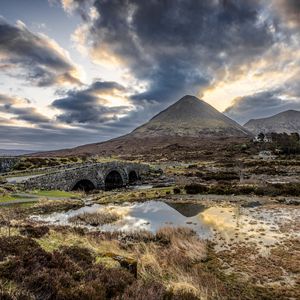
{"x": 225, "y": 226}
{"x": 187, "y": 209}
{"x": 150, "y": 215}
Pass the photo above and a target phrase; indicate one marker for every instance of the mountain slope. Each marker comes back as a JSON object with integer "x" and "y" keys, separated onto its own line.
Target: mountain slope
{"x": 190, "y": 117}
{"x": 287, "y": 121}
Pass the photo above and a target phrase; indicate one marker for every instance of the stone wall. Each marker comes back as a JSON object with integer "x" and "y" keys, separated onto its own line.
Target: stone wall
{"x": 96, "y": 173}
{"x": 7, "y": 163}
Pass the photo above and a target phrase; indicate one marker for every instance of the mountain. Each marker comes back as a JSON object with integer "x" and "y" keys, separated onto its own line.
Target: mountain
{"x": 190, "y": 117}
{"x": 14, "y": 152}
{"x": 184, "y": 125}
{"x": 287, "y": 121}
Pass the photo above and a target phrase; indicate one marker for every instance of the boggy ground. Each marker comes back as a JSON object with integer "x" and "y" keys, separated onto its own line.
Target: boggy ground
{"x": 52, "y": 262}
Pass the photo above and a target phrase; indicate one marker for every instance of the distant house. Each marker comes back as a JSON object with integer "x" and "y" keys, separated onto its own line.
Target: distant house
{"x": 262, "y": 138}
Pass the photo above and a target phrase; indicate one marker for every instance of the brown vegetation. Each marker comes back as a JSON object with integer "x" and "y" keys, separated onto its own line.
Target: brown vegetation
{"x": 285, "y": 189}
{"x": 96, "y": 219}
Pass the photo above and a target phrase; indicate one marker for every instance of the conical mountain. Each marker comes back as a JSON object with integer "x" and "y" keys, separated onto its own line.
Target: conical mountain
{"x": 190, "y": 117}
{"x": 287, "y": 121}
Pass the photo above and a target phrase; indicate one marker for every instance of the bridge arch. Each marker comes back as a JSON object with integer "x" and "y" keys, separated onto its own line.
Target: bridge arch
{"x": 133, "y": 176}
{"x": 113, "y": 180}
{"x": 85, "y": 185}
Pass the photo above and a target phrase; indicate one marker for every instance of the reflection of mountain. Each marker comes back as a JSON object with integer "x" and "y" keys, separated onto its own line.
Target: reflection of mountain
{"x": 187, "y": 209}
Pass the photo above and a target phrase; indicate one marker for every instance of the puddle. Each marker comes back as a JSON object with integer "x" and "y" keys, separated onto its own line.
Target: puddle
{"x": 141, "y": 187}
{"x": 150, "y": 215}
{"x": 226, "y": 226}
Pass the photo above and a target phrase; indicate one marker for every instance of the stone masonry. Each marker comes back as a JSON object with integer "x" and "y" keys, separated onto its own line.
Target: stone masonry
{"x": 95, "y": 173}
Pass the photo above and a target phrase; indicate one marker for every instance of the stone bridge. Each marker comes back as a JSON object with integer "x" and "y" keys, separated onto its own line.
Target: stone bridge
{"x": 91, "y": 176}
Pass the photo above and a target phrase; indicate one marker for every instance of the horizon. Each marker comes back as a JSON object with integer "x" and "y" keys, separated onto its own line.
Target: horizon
{"x": 79, "y": 72}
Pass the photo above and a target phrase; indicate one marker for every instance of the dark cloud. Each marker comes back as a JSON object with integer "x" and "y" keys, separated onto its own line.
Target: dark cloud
{"x": 260, "y": 105}
{"x": 177, "y": 47}
{"x": 90, "y": 106}
{"x": 290, "y": 9}
{"x": 47, "y": 139}
{"x": 43, "y": 62}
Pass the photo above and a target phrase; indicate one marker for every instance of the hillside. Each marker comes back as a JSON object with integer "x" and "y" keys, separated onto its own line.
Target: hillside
{"x": 287, "y": 121}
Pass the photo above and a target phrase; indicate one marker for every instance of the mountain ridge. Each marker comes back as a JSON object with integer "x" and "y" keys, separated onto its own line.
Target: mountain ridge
{"x": 287, "y": 121}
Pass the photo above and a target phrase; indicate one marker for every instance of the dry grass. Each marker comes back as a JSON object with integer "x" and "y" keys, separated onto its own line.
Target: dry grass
{"x": 167, "y": 257}
{"x": 132, "y": 196}
{"x": 183, "y": 265}
{"x": 96, "y": 218}
{"x": 171, "y": 259}
{"x": 45, "y": 206}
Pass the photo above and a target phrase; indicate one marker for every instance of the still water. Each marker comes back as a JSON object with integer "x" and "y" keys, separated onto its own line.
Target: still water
{"x": 226, "y": 226}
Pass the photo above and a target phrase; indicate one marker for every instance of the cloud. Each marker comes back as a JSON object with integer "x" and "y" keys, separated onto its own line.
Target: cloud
{"x": 41, "y": 60}
{"x": 20, "y": 110}
{"x": 176, "y": 47}
{"x": 45, "y": 139}
{"x": 290, "y": 11}
{"x": 94, "y": 105}
{"x": 260, "y": 105}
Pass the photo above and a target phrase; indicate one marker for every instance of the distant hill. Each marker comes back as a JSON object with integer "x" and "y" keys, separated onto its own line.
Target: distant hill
{"x": 14, "y": 152}
{"x": 287, "y": 121}
{"x": 187, "y": 123}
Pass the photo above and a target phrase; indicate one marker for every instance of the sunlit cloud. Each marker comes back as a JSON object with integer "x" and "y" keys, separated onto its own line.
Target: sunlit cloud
{"x": 35, "y": 57}
{"x": 20, "y": 112}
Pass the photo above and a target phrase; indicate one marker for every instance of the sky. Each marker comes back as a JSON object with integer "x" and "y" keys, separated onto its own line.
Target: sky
{"x": 74, "y": 72}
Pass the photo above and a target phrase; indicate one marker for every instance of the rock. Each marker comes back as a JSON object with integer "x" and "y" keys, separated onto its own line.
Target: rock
{"x": 251, "y": 204}
{"x": 7, "y": 163}
{"x": 289, "y": 201}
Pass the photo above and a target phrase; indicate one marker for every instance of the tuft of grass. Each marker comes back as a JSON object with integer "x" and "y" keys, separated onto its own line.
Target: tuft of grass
{"x": 96, "y": 219}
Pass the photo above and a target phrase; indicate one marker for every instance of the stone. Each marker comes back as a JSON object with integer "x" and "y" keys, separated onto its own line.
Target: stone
{"x": 94, "y": 173}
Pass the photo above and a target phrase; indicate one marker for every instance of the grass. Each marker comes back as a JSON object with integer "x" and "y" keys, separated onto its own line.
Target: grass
{"x": 134, "y": 195}
{"x": 56, "y": 194}
{"x": 96, "y": 218}
{"x": 7, "y": 198}
{"x": 163, "y": 259}
{"x": 183, "y": 264}
{"x": 11, "y": 197}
